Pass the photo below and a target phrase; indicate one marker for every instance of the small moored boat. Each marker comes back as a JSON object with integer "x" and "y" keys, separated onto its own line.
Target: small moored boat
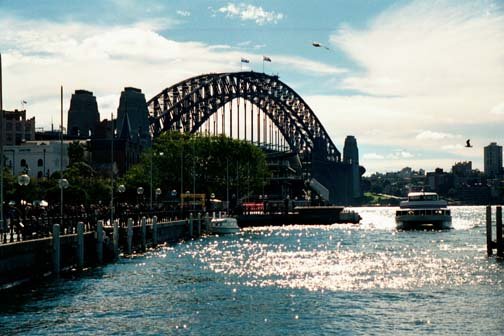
{"x": 423, "y": 210}
{"x": 225, "y": 225}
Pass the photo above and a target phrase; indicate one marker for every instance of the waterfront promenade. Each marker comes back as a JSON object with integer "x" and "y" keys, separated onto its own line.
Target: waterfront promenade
{"x": 36, "y": 247}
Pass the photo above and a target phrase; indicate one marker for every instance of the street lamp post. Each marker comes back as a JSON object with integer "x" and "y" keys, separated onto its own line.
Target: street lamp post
{"x": 151, "y": 165}
{"x": 140, "y": 191}
{"x": 63, "y": 184}
{"x": 158, "y": 193}
{"x": 23, "y": 180}
{"x": 174, "y": 200}
{"x": 120, "y": 189}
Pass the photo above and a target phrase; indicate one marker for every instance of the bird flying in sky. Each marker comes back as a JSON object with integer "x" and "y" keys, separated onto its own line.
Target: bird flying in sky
{"x": 318, "y": 45}
{"x": 468, "y": 143}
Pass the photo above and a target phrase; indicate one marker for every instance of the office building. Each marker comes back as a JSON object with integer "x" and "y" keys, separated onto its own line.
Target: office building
{"x": 493, "y": 160}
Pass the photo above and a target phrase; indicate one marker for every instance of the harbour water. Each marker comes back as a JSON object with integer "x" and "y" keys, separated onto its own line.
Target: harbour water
{"x": 363, "y": 279}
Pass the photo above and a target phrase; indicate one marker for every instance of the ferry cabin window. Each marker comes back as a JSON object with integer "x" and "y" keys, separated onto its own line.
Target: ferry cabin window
{"x": 423, "y": 198}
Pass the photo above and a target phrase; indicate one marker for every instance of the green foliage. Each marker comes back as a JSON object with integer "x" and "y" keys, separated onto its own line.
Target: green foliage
{"x": 76, "y": 152}
{"x": 206, "y": 163}
{"x": 85, "y": 186}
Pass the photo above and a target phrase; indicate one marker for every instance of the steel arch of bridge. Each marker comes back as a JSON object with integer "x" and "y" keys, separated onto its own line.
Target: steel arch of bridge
{"x": 189, "y": 103}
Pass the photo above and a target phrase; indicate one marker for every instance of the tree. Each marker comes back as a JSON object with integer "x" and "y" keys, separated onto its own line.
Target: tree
{"x": 205, "y": 164}
{"x": 76, "y": 152}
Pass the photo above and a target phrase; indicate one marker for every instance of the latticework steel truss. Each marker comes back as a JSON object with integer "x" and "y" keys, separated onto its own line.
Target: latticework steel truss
{"x": 187, "y": 105}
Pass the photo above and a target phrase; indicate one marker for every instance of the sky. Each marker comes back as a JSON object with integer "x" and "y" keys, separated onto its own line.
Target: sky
{"x": 411, "y": 80}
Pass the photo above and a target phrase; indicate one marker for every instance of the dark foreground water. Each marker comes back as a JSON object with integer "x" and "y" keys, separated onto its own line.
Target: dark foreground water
{"x": 295, "y": 280}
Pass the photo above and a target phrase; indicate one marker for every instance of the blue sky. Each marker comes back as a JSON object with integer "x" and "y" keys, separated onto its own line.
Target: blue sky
{"x": 410, "y": 79}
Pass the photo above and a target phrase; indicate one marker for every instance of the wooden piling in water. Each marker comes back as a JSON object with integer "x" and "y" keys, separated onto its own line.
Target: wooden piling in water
{"x": 190, "y": 225}
{"x": 80, "y": 245}
{"x": 207, "y": 222}
{"x": 115, "y": 239}
{"x": 99, "y": 242}
{"x": 198, "y": 228}
{"x": 129, "y": 240}
{"x": 489, "y": 230}
{"x": 154, "y": 231}
{"x": 498, "y": 231}
{"x": 56, "y": 250}
{"x": 144, "y": 233}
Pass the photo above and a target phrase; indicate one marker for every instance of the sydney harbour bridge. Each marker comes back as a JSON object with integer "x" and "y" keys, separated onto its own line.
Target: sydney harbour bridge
{"x": 265, "y": 111}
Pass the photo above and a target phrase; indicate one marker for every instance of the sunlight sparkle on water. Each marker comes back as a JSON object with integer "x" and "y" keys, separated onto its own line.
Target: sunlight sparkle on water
{"x": 343, "y": 257}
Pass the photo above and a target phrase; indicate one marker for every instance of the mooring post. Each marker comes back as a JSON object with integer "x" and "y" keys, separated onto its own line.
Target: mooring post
{"x": 129, "y": 247}
{"x": 489, "y": 230}
{"x": 56, "y": 250}
{"x": 191, "y": 225}
{"x": 80, "y": 245}
{"x": 115, "y": 239}
{"x": 198, "y": 228}
{"x": 144, "y": 233}
{"x": 99, "y": 242}
{"x": 154, "y": 231}
{"x": 207, "y": 222}
{"x": 498, "y": 231}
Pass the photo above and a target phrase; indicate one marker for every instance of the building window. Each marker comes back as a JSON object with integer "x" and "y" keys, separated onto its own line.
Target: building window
{"x": 40, "y": 162}
{"x": 40, "y": 174}
{"x": 23, "y": 163}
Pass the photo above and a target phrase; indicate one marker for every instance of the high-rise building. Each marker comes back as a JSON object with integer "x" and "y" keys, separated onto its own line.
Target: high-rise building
{"x": 83, "y": 115}
{"x": 132, "y": 103}
{"x": 462, "y": 172}
{"x": 17, "y": 129}
{"x": 493, "y": 160}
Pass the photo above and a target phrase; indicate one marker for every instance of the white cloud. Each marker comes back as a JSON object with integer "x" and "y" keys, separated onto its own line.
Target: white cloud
{"x": 400, "y": 154}
{"x": 294, "y": 62}
{"x": 498, "y": 109}
{"x": 395, "y": 155}
{"x": 40, "y": 56}
{"x": 429, "y": 48}
{"x": 452, "y": 147}
{"x": 430, "y": 135}
{"x": 183, "y": 13}
{"x": 251, "y": 13}
{"x": 373, "y": 156}
{"x": 434, "y": 54}
{"x": 427, "y": 65}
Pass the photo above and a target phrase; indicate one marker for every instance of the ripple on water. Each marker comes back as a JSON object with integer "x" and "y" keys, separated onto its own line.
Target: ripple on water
{"x": 295, "y": 280}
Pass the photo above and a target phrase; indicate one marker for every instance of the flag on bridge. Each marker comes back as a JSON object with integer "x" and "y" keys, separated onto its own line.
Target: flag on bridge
{"x": 266, "y": 59}
{"x": 244, "y": 60}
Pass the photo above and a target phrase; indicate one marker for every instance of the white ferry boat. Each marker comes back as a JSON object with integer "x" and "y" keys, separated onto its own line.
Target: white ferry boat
{"x": 225, "y": 225}
{"x": 423, "y": 210}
